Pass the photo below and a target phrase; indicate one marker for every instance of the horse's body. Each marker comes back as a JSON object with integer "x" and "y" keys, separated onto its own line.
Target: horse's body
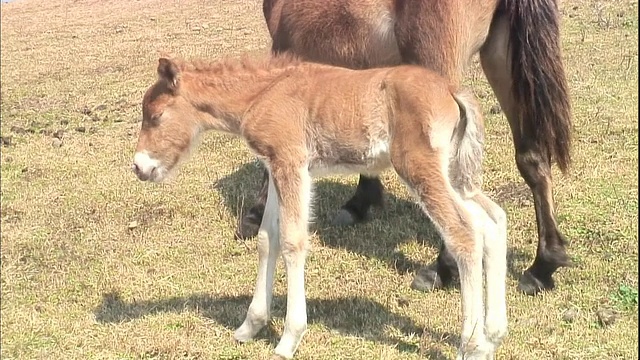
{"x": 304, "y": 120}
{"x": 518, "y": 43}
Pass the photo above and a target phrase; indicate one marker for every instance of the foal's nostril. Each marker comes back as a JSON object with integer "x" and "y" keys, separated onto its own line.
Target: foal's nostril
{"x": 135, "y": 168}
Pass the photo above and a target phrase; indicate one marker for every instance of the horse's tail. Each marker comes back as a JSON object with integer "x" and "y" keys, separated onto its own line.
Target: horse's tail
{"x": 466, "y": 164}
{"x": 539, "y": 85}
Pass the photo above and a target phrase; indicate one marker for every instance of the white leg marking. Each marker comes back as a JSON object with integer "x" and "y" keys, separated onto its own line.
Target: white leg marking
{"x": 295, "y": 233}
{"x": 259, "y": 311}
{"x": 474, "y": 344}
{"x": 473, "y": 341}
{"x": 495, "y": 255}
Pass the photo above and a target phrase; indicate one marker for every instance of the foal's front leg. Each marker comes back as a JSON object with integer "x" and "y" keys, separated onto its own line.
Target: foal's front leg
{"x": 369, "y": 192}
{"x": 294, "y": 187}
{"x": 268, "y": 249}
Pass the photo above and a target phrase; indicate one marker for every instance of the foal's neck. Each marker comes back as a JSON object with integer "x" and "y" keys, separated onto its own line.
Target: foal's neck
{"x": 227, "y": 93}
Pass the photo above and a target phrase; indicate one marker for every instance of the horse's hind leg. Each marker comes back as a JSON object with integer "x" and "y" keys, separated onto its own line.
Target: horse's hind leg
{"x": 415, "y": 23}
{"x": 533, "y": 163}
{"x": 438, "y": 274}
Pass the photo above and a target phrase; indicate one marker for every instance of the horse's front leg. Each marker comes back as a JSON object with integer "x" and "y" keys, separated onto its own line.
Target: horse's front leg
{"x": 259, "y": 311}
{"x": 369, "y": 192}
{"x": 249, "y": 223}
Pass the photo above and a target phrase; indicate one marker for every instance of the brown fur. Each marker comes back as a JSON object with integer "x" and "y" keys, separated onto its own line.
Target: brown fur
{"x": 305, "y": 120}
{"x": 518, "y": 44}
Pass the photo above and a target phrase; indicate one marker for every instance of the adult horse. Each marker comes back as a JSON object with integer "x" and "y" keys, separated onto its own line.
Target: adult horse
{"x": 519, "y": 47}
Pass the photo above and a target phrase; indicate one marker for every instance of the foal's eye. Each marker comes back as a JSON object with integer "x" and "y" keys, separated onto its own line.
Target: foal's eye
{"x": 156, "y": 117}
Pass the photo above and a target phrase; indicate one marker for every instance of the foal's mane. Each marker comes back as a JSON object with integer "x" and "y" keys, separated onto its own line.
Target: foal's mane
{"x": 242, "y": 64}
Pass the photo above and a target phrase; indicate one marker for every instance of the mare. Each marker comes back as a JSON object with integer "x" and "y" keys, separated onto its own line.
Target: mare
{"x": 519, "y": 48}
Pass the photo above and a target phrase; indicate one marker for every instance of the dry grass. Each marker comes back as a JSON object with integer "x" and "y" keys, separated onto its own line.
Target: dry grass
{"x": 77, "y": 283}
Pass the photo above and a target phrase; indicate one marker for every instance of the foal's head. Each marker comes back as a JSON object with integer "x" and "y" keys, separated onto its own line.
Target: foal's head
{"x": 170, "y": 125}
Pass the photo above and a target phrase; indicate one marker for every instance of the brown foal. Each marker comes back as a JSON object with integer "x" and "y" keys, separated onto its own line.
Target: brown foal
{"x": 305, "y": 120}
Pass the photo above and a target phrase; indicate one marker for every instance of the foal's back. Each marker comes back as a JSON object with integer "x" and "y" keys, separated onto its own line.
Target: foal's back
{"x": 346, "y": 119}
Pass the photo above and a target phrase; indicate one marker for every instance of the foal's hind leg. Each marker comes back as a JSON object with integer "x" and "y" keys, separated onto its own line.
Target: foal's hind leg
{"x": 495, "y": 266}
{"x": 459, "y": 230}
{"x": 429, "y": 43}
{"x": 533, "y": 163}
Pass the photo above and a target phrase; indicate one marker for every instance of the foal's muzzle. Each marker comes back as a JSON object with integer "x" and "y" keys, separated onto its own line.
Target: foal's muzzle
{"x": 144, "y": 167}
{"x": 141, "y": 174}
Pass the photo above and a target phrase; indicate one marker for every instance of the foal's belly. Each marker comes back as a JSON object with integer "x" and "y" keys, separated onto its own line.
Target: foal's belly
{"x": 370, "y": 161}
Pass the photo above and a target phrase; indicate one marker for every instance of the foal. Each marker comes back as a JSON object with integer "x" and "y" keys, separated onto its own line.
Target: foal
{"x": 305, "y": 120}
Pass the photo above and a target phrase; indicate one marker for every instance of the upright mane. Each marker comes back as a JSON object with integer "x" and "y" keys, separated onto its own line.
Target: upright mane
{"x": 244, "y": 63}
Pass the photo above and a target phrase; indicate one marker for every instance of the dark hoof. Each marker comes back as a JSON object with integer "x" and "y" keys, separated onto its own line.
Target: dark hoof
{"x": 248, "y": 226}
{"x": 344, "y": 218}
{"x": 427, "y": 279}
{"x": 531, "y": 285}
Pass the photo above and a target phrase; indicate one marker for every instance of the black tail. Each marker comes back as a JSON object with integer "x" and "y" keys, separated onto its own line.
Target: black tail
{"x": 539, "y": 82}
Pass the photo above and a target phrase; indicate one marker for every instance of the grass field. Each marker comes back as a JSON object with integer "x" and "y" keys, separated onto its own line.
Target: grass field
{"x": 97, "y": 265}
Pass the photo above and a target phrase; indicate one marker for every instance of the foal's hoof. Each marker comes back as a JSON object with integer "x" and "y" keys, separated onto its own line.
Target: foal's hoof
{"x": 246, "y": 332}
{"x": 248, "y": 227}
{"x": 344, "y": 218}
{"x": 531, "y": 285}
{"x": 427, "y": 279}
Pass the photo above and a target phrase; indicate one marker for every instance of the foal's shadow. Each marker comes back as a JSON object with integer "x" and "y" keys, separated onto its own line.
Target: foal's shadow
{"x": 378, "y": 237}
{"x": 354, "y": 316}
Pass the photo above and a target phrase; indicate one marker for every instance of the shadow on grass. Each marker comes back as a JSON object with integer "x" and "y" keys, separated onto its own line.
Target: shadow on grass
{"x": 378, "y": 238}
{"x": 353, "y": 316}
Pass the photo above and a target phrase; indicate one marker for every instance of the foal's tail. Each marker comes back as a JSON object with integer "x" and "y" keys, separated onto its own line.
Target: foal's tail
{"x": 466, "y": 165}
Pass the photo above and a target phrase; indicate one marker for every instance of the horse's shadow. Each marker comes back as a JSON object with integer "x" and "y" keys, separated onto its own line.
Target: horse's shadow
{"x": 379, "y": 237}
{"x": 353, "y": 316}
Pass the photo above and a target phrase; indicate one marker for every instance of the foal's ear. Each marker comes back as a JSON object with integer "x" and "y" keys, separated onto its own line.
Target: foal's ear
{"x": 169, "y": 72}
